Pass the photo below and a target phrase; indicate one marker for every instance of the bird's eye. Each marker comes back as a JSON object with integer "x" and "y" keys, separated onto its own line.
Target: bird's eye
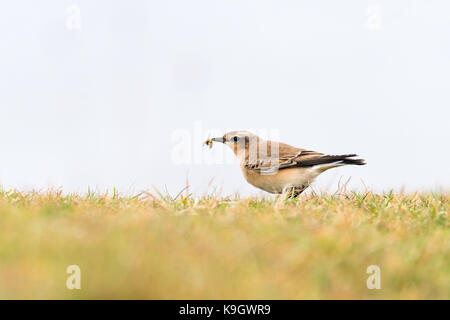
{"x": 235, "y": 139}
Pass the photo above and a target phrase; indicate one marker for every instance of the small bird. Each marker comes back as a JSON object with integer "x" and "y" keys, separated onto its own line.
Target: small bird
{"x": 277, "y": 167}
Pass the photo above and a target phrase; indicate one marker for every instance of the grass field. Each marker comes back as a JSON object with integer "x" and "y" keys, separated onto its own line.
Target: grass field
{"x": 154, "y": 247}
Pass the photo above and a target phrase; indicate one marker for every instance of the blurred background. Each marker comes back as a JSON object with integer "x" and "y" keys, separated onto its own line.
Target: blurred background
{"x": 106, "y": 94}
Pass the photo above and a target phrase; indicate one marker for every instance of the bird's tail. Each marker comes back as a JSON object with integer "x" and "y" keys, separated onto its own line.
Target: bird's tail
{"x": 358, "y": 162}
{"x": 332, "y": 161}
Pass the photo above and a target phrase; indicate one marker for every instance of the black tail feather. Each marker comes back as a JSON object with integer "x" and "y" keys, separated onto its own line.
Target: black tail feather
{"x": 343, "y": 159}
{"x": 358, "y": 162}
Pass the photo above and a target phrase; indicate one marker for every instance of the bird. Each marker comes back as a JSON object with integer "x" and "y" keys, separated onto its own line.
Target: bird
{"x": 277, "y": 167}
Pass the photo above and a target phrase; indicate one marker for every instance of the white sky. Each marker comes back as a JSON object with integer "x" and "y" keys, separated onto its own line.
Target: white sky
{"x": 98, "y": 106}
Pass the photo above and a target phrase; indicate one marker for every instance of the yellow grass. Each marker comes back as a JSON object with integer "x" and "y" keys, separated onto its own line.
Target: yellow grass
{"x": 153, "y": 247}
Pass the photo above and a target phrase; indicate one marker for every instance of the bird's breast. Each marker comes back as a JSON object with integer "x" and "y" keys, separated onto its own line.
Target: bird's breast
{"x": 277, "y": 181}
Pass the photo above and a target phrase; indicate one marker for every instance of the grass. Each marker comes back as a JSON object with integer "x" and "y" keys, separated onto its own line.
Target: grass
{"x": 156, "y": 247}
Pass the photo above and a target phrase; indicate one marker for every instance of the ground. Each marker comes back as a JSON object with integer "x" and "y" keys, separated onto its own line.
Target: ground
{"x": 154, "y": 247}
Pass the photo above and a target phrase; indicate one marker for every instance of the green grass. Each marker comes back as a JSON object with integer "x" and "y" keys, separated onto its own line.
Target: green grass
{"x": 154, "y": 247}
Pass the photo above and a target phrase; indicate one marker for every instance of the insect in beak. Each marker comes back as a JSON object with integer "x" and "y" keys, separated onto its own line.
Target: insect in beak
{"x": 209, "y": 142}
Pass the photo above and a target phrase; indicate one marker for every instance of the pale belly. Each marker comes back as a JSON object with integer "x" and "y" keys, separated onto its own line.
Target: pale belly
{"x": 277, "y": 182}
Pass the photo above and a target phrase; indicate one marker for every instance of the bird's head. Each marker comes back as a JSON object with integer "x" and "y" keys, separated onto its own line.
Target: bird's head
{"x": 238, "y": 141}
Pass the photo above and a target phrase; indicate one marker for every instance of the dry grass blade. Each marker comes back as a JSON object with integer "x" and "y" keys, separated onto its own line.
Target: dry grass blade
{"x": 154, "y": 246}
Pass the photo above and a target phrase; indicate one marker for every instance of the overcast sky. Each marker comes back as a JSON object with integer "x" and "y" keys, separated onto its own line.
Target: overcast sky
{"x": 98, "y": 93}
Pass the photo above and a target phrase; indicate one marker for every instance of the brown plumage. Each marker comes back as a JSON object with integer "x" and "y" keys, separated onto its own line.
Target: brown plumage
{"x": 277, "y": 167}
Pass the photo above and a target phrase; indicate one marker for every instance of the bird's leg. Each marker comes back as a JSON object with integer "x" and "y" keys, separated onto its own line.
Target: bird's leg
{"x": 289, "y": 192}
{"x": 293, "y": 192}
{"x": 299, "y": 190}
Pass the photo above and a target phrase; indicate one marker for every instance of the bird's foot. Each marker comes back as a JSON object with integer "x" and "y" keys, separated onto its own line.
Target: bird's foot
{"x": 294, "y": 191}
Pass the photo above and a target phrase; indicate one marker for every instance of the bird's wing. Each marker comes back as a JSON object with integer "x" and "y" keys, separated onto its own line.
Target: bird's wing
{"x": 291, "y": 157}
{"x": 287, "y": 157}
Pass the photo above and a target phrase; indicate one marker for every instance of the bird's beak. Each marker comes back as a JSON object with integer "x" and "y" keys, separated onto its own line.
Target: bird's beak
{"x": 218, "y": 139}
